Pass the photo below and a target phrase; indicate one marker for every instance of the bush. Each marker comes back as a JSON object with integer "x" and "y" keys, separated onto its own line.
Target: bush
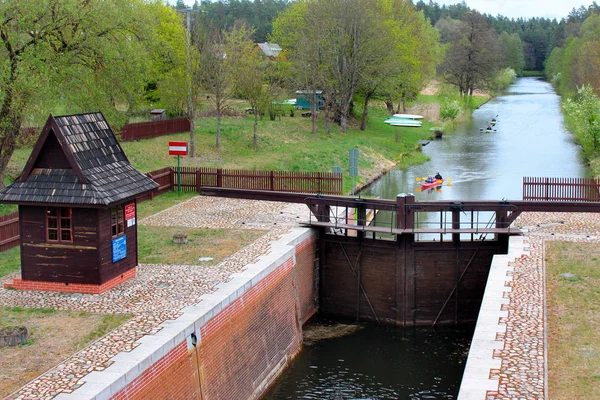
{"x": 450, "y": 109}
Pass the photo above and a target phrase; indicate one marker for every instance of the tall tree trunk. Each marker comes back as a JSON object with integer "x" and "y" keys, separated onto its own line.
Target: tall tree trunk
{"x": 313, "y": 112}
{"x": 390, "y": 106}
{"x": 218, "y": 127}
{"x": 192, "y": 144}
{"x": 344, "y": 111}
{"x": 255, "y": 136}
{"x": 363, "y": 124}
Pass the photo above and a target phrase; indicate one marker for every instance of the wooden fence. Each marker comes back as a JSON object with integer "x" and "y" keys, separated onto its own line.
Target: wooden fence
{"x": 9, "y": 230}
{"x": 561, "y": 189}
{"x": 193, "y": 178}
{"x": 282, "y": 181}
{"x": 164, "y": 179}
{"x": 145, "y": 130}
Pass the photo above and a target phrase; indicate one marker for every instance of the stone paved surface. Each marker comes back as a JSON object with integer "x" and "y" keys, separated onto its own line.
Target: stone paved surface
{"x": 153, "y": 298}
{"x": 158, "y": 292}
{"x": 522, "y": 371}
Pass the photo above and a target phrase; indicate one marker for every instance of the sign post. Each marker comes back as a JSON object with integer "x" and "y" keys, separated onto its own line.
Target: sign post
{"x": 353, "y": 165}
{"x": 178, "y": 149}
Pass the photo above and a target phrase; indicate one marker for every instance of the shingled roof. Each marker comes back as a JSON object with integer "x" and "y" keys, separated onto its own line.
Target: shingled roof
{"x": 77, "y": 161}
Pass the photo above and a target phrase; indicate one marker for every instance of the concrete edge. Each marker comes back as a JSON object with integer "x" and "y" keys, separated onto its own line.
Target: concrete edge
{"x": 476, "y": 379}
{"x": 127, "y": 366}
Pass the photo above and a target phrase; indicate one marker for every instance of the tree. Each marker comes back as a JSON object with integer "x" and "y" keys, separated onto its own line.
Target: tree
{"x": 583, "y": 111}
{"x": 352, "y": 34}
{"x": 69, "y": 54}
{"x": 166, "y": 82}
{"x": 511, "y": 50}
{"x": 302, "y": 34}
{"x": 213, "y": 77}
{"x": 247, "y": 73}
{"x": 471, "y": 58}
{"x": 417, "y": 52}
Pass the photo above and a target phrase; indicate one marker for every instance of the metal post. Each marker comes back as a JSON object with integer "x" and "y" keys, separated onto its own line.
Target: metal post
{"x": 178, "y": 176}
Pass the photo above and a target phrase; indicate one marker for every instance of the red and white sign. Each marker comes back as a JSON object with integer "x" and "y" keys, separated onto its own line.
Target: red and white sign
{"x": 129, "y": 211}
{"x": 178, "y": 148}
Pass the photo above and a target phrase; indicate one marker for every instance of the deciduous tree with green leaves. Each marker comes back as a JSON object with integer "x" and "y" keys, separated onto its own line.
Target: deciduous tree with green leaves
{"x": 69, "y": 56}
{"x": 471, "y": 56}
{"x": 583, "y": 113}
{"x": 246, "y": 70}
{"x": 213, "y": 77}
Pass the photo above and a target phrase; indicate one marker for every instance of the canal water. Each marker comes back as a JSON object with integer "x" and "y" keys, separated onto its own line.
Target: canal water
{"x": 393, "y": 363}
{"x": 529, "y": 140}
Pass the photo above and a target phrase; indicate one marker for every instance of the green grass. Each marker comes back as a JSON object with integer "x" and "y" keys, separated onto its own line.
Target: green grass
{"x": 156, "y": 245}
{"x": 162, "y": 202}
{"x": 533, "y": 73}
{"x": 285, "y": 144}
{"x": 108, "y": 323}
{"x": 573, "y": 303}
{"x": 10, "y": 261}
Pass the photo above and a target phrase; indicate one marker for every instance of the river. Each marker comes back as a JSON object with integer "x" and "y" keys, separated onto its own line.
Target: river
{"x": 393, "y": 363}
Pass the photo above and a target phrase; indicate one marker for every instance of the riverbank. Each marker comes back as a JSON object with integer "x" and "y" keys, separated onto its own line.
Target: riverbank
{"x": 286, "y": 144}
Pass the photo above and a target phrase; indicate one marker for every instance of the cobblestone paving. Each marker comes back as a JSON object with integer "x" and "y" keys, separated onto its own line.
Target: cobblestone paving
{"x": 158, "y": 292}
{"x": 522, "y": 371}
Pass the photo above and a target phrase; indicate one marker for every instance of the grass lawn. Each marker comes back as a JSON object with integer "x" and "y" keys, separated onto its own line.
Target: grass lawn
{"x": 53, "y": 336}
{"x": 10, "y": 261}
{"x": 285, "y": 144}
{"x": 573, "y": 303}
{"x": 156, "y": 245}
{"x": 162, "y": 202}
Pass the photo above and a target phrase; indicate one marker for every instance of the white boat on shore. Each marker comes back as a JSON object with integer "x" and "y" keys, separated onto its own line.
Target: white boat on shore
{"x": 404, "y": 122}
{"x": 408, "y": 116}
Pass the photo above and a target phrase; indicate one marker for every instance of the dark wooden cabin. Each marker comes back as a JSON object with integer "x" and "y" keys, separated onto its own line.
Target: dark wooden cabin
{"x": 77, "y": 205}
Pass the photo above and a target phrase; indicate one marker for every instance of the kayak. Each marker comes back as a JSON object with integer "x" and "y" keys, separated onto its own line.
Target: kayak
{"x": 429, "y": 185}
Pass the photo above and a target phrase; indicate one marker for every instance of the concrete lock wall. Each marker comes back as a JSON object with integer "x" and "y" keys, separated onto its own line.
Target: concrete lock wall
{"x": 231, "y": 345}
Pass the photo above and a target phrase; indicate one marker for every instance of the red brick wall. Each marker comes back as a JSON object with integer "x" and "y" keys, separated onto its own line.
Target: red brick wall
{"x": 244, "y": 347}
{"x": 172, "y": 377}
{"x": 306, "y": 276}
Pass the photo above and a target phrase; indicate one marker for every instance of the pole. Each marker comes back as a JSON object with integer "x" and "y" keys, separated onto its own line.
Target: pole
{"x": 178, "y": 177}
{"x": 190, "y": 108}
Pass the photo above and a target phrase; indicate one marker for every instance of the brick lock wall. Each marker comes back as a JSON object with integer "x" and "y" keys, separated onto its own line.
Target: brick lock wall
{"x": 306, "y": 276}
{"x": 174, "y": 377}
{"x": 242, "y": 350}
{"x": 244, "y": 347}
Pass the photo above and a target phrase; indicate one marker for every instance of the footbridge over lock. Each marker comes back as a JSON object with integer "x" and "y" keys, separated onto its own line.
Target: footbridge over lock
{"x": 415, "y": 263}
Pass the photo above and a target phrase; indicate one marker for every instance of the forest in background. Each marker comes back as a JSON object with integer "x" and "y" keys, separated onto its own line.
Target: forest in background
{"x": 126, "y": 57}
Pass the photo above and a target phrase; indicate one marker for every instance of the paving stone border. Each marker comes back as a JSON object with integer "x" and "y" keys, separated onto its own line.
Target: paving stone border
{"x": 509, "y": 353}
{"x": 518, "y": 346}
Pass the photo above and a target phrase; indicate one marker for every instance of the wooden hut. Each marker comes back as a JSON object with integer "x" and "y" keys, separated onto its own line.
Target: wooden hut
{"x": 77, "y": 208}
{"x": 158, "y": 114}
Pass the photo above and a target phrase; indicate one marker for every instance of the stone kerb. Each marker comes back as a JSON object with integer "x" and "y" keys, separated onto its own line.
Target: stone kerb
{"x": 490, "y": 328}
{"x": 127, "y": 366}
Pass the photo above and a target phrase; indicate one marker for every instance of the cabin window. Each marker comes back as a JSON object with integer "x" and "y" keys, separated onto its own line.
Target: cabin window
{"x": 58, "y": 224}
{"x": 117, "y": 219}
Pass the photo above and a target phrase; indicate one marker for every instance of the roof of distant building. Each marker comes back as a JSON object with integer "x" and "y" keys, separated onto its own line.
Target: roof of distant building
{"x": 270, "y": 49}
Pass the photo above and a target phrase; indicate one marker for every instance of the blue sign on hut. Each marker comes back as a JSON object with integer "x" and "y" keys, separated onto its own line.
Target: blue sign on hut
{"x": 77, "y": 208}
